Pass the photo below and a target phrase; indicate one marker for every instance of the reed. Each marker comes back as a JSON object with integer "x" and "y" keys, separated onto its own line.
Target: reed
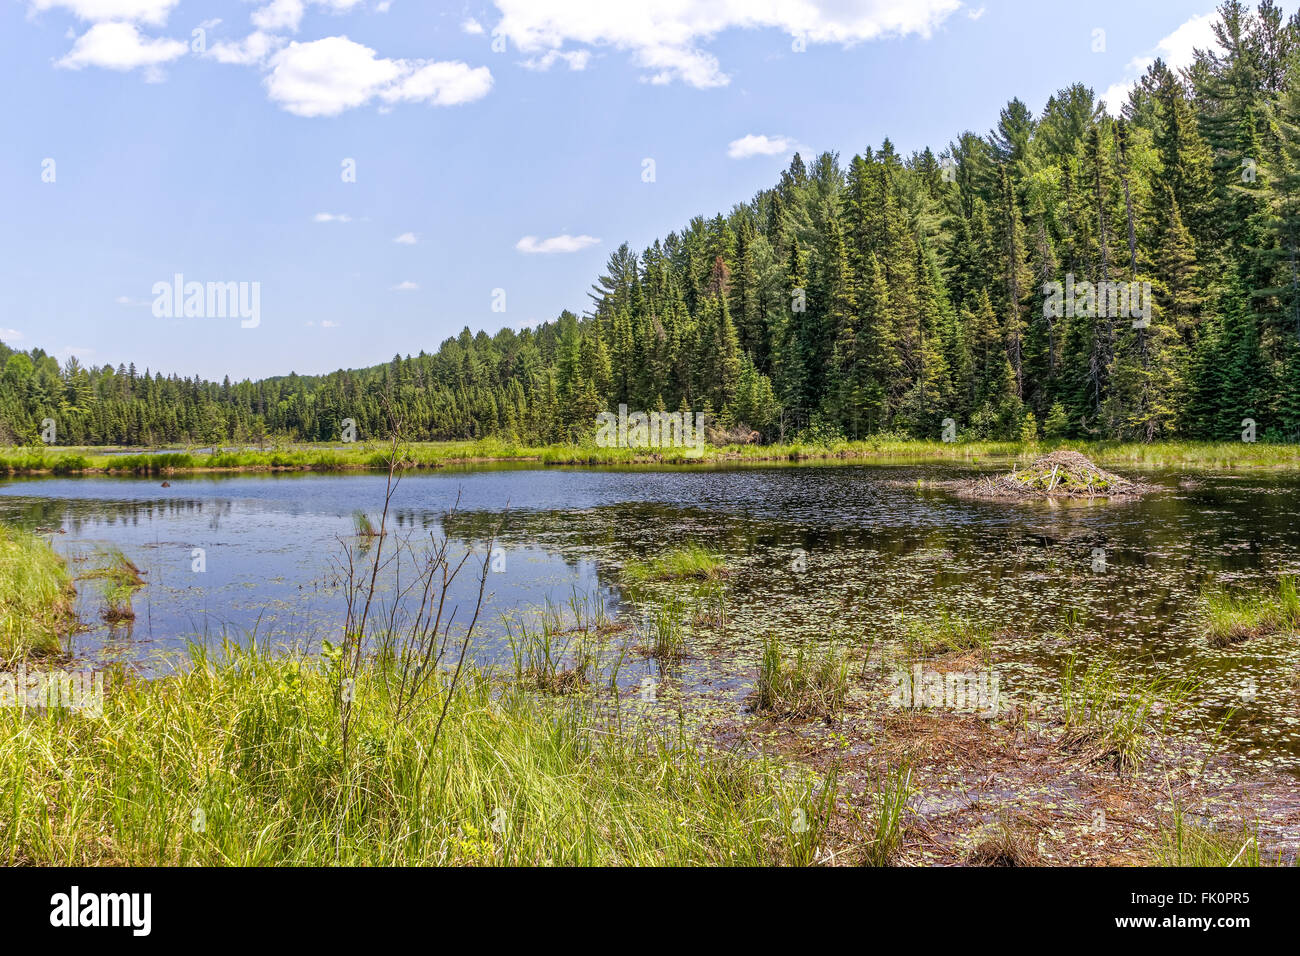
{"x": 36, "y": 597}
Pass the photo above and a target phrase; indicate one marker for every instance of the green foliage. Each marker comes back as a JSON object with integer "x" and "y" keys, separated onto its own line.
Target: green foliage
{"x": 236, "y": 758}
{"x": 809, "y": 684}
{"x": 36, "y": 596}
{"x": 883, "y": 294}
{"x": 1231, "y": 618}
{"x": 689, "y": 562}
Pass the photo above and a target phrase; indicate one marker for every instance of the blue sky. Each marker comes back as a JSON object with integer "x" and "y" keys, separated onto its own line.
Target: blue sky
{"x": 220, "y": 155}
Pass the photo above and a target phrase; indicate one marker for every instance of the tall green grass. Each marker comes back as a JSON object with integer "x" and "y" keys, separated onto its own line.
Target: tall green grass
{"x": 1184, "y": 843}
{"x": 367, "y": 455}
{"x": 236, "y": 759}
{"x": 809, "y": 683}
{"x": 1231, "y": 618}
{"x": 36, "y": 596}
{"x": 1111, "y": 717}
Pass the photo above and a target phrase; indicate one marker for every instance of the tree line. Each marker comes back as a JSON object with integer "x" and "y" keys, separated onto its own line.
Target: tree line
{"x": 882, "y": 294}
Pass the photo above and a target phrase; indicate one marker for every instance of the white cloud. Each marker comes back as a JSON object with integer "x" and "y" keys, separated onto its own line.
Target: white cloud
{"x": 330, "y": 324}
{"x": 576, "y": 59}
{"x": 1176, "y": 50}
{"x": 331, "y": 217}
{"x": 665, "y": 37}
{"x": 448, "y": 83}
{"x": 326, "y": 77}
{"x": 250, "y": 51}
{"x": 407, "y": 239}
{"x": 287, "y": 14}
{"x": 141, "y": 11}
{"x": 758, "y": 145}
{"x": 564, "y": 243}
{"x": 119, "y": 46}
{"x": 472, "y": 26}
{"x": 12, "y": 335}
{"x": 407, "y": 286}
{"x": 975, "y": 14}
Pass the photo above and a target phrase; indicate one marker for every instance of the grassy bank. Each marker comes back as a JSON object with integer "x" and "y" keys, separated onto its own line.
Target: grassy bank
{"x": 238, "y": 759}
{"x": 36, "y": 597}
{"x": 374, "y": 456}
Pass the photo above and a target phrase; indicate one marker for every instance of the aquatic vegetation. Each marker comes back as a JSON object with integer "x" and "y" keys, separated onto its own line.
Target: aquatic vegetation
{"x": 547, "y": 659}
{"x": 1185, "y": 843}
{"x": 884, "y": 828}
{"x": 689, "y": 562}
{"x": 364, "y": 527}
{"x": 812, "y": 683}
{"x": 665, "y": 637}
{"x": 947, "y": 633}
{"x": 1109, "y": 718}
{"x": 711, "y": 606}
{"x": 1232, "y": 618}
{"x": 36, "y": 596}
{"x": 121, "y": 579}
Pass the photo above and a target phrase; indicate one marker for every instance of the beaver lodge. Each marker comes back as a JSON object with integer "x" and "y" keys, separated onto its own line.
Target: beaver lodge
{"x": 1061, "y": 474}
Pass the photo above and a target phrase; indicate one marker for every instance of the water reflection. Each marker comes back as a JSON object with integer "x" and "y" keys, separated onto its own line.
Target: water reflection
{"x": 877, "y": 545}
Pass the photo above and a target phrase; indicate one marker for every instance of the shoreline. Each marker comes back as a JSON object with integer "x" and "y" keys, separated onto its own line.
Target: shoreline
{"x": 73, "y": 461}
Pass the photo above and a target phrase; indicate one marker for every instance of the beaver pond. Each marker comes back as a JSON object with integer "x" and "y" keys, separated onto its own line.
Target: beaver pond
{"x": 817, "y": 554}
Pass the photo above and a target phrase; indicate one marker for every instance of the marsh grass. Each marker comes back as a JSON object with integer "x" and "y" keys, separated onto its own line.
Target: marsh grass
{"x": 363, "y": 526}
{"x": 662, "y": 634}
{"x": 947, "y": 633}
{"x": 1184, "y": 843}
{"x": 811, "y": 683}
{"x": 1003, "y": 843}
{"x": 236, "y": 758}
{"x": 711, "y": 606}
{"x": 36, "y": 597}
{"x": 305, "y": 456}
{"x": 1232, "y": 618}
{"x": 555, "y": 660}
{"x": 690, "y": 562}
{"x": 120, "y": 579}
{"x": 1110, "y": 718}
{"x": 884, "y": 828}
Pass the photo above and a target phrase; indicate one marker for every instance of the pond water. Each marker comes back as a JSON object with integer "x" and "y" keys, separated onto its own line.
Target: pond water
{"x": 876, "y": 545}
